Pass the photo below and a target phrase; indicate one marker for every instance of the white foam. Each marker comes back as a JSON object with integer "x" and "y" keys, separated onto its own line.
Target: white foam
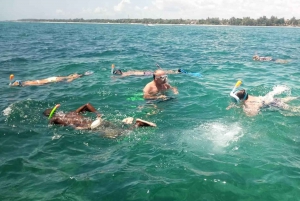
{"x": 7, "y": 110}
{"x": 222, "y": 135}
{"x": 56, "y": 136}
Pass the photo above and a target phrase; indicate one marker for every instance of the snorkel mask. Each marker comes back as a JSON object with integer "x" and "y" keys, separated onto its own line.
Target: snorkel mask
{"x": 115, "y": 72}
{"x": 180, "y": 70}
{"x": 234, "y": 91}
{"x": 15, "y": 82}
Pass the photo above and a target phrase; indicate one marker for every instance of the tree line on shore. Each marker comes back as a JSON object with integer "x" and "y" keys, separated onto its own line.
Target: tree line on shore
{"x": 245, "y": 21}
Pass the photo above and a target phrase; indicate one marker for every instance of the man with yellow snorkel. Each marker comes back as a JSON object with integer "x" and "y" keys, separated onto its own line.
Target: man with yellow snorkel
{"x": 76, "y": 120}
{"x": 253, "y": 104}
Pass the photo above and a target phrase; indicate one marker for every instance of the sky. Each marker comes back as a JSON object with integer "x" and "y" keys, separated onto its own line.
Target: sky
{"x": 165, "y": 9}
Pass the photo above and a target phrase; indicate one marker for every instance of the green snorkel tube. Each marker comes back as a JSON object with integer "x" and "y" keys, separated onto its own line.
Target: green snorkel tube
{"x": 53, "y": 110}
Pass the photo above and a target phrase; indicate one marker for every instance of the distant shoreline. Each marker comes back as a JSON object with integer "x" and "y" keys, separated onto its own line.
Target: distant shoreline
{"x": 114, "y": 23}
{"x": 245, "y": 21}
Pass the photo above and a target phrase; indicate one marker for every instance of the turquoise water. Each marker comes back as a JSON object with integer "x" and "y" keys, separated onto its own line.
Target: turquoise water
{"x": 199, "y": 151}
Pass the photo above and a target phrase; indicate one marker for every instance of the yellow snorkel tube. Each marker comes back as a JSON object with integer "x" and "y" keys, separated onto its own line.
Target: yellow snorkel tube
{"x": 232, "y": 93}
{"x": 11, "y": 77}
{"x": 112, "y": 69}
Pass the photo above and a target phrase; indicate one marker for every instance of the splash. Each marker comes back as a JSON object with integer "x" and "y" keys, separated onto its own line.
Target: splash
{"x": 222, "y": 135}
{"x": 279, "y": 89}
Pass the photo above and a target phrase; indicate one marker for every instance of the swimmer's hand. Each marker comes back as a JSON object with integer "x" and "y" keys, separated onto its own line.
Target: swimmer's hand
{"x": 163, "y": 97}
{"x": 175, "y": 90}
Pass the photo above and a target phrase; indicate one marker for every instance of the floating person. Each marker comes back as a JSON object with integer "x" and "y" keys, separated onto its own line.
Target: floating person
{"x": 68, "y": 78}
{"x": 156, "y": 89}
{"x": 258, "y": 58}
{"x": 76, "y": 120}
{"x": 135, "y": 72}
{"x": 253, "y": 104}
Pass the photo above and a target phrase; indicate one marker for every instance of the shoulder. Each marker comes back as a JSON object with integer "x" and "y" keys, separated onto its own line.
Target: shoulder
{"x": 149, "y": 86}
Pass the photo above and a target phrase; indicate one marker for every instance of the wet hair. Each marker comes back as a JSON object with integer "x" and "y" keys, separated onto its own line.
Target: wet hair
{"x": 117, "y": 72}
{"x": 255, "y": 57}
{"x": 242, "y": 94}
{"x": 47, "y": 112}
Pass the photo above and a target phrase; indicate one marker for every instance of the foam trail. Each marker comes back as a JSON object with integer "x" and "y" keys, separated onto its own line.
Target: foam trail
{"x": 276, "y": 91}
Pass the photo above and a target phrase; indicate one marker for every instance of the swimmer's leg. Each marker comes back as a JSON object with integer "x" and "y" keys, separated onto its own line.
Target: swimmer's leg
{"x": 281, "y": 102}
{"x": 287, "y": 99}
{"x": 281, "y": 61}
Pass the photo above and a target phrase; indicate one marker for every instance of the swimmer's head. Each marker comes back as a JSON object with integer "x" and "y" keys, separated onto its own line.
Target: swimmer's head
{"x": 48, "y": 111}
{"x": 160, "y": 77}
{"x": 180, "y": 70}
{"x": 16, "y": 83}
{"x": 242, "y": 94}
{"x": 255, "y": 58}
{"x": 117, "y": 72}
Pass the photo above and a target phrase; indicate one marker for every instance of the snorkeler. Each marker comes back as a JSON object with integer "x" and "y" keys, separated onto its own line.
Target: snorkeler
{"x": 156, "y": 88}
{"x": 47, "y": 80}
{"x": 253, "y": 104}
{"x": 77, "y": 121}
{"x": 258, "y": 58}
{"x": 135, "y": 73}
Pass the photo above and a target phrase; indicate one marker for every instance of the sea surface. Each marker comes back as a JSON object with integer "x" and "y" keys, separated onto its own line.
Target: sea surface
{"x": 198, "y": 151}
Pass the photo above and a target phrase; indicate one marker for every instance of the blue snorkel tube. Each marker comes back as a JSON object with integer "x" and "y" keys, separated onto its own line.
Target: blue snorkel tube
{"x": 180, "y": 70}
{"x": 232, "y": 93}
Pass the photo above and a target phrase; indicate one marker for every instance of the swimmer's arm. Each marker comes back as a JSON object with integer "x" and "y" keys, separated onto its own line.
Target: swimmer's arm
{"x": 174, "y": 89}
{"x": 149, "y": 96}
{"x": 147, "y": 93}
{"x": 231, "y": 105}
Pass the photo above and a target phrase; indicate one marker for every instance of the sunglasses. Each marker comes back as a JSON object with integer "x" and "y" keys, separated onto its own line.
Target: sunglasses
{"x": 163, "y": 77}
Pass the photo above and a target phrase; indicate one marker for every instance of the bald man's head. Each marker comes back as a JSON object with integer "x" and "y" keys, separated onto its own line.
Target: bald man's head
{"x": 160, "y": 76}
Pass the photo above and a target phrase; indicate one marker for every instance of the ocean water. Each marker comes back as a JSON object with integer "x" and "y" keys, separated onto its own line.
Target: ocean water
{"x": 199, "y": 150}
